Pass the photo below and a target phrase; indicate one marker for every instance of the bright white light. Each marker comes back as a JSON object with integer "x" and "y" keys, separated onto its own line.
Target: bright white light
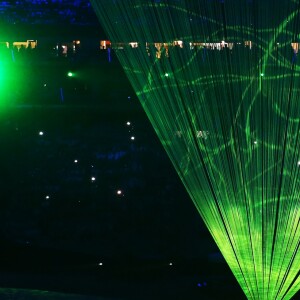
{"x": 255, "y": 142}
{"x": 41, "y": 133}
{"x": 170, "y": 264}
{"x": 119, "y": 192}
{"x": 75, "y": 161}
{"x": 128, "y": 123}
{"x": 298, "y": 163}
{"x": 100, "y": 264}
{"x": 132, "y": 138}
{"x": 93, "y": 178}
{"x": 47, "y": 197}
{"x": 167, "y": 75}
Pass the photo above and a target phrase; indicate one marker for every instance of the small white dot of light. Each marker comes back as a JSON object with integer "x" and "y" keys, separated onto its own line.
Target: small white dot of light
{"x": 132, "y": 138}
{"x": 75, "y": 161}
{"x": 128, "y": 123}
{"x": 166, "y": 75}
{"x": 129, "y": 97}
{"x": 298, "y": 163}
{"x": 92, "y": 166}
{"x": 100, "y": 264}
{"x": 41, "y": 133}
{"x": 93, "y": 178}
{"x": 255, "y": 142}
{"x": 170, "y": 264}
{"x": 45, "y": 84}
{"x": 47, "y": 197}
{"x": 119, "y": 192}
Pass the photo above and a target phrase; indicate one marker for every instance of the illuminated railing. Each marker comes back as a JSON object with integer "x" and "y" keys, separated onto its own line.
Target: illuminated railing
{"x": 31, "y": 44}
{"x": 165, "y": 46}
{"x": 162, "y": 48}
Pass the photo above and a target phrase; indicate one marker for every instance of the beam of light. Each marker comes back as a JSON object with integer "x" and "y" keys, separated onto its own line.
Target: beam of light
{"x": 61, "y": 92}
{"x": 6, "y": 85}
{"x": 13, "y": 55}
{"x": 229, "y": 119}
{"x": 109, "y": 54}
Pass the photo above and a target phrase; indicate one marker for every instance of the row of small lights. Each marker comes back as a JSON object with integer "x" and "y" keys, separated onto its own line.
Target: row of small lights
{"x": 101, "y": 264}
{"x": 93, "y": 178}
{"x": 199, "y": 284}
{"x": 41, "y": 133}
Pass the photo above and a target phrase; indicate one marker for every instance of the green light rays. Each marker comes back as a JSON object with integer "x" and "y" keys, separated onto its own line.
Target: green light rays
{"x": 219, "y": 81}
{"x": 4, "y": 84}
{"x": 11, "y": 78}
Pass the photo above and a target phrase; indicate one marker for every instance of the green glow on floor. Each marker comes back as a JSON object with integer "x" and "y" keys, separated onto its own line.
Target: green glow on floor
{"x": 229, "y": 120}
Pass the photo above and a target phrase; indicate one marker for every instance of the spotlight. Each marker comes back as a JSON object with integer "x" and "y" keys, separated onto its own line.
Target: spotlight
{"x": 70, "y": 74}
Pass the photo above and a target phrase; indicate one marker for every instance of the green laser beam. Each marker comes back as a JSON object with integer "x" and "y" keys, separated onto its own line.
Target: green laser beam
{"x": 229, "y": 120}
